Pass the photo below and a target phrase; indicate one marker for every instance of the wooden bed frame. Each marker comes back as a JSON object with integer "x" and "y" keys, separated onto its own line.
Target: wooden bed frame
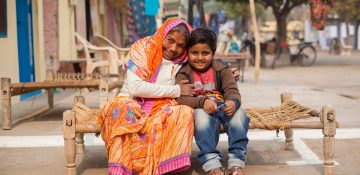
{"x": 76, "y": 123}
{"x": 63, "y": 81}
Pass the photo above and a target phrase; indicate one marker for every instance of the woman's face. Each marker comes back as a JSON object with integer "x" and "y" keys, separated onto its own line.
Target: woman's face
{"x": 200, "y": 56}
{"x": 173, "y": 45}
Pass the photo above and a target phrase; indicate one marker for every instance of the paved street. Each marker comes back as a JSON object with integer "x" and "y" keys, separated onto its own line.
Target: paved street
{"x": 35, "y": 145}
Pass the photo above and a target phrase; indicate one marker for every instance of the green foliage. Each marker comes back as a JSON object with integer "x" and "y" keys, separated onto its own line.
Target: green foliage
{"x": 213, "y": 6}
{"x": 243, "y": 9}
{"x": 238, "y": 9}
{"x": 279, "y": 7}
{"x": 348, "y": 9}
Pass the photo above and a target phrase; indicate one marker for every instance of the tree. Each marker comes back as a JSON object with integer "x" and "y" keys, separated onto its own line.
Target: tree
{"x": 356, "y": 18}
{"x": 280, "y": 8}
{"x": 349, "y": 13}
{"x": 200, "y": 6}
{"x": 243, "y": 9}
{"x": 241, "y": 13}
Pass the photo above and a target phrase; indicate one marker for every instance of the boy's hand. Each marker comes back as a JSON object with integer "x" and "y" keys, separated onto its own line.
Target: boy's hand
{"x": 229, "y": 108}
{"x": 210, "y": 107}
{"x": 186, "y": 89}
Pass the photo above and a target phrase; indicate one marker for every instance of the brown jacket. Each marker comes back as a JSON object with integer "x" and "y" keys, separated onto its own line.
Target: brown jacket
{"x": 228, "y": 84}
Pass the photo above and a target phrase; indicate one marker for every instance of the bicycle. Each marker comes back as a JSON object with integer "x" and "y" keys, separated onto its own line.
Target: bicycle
{"x": 250, "y": 46}
{"x": 305, "y": 54}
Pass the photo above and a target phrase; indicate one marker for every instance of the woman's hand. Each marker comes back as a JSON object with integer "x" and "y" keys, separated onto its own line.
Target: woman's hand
{"x": 229, "y": 108}
{"x": 236, "y": 73}
{"x": 186, "y": 89}
{"x": 210, "y": 107}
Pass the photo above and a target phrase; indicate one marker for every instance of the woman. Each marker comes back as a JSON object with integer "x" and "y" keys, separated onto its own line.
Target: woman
{"x": 145, "y": 131}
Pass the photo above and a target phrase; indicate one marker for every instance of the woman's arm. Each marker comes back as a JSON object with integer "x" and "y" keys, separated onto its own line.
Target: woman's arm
{"x": 140, "y": 88}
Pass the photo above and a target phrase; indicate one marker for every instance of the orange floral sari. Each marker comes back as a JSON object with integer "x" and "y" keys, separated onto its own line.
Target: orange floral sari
{"x": 153, "y": 141}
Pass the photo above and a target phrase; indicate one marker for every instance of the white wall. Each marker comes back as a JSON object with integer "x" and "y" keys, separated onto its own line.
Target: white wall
{"x": 66, "y": 30}
{"x": 9, "y": 65}
{"x": 38, "y": 40}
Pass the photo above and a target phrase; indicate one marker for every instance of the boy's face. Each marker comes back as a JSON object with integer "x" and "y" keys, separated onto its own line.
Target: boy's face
{"x": 200, "y": 56}
{"x": 173, "y": 45}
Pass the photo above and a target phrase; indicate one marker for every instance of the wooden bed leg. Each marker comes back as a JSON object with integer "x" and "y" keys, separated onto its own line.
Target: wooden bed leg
{"x": 80, "y": 148}
{"x": 50, "y": 94}
{"x": 104, "y": 91}
{"x": 241, "y": 64}
{"x": 328, "y": 118}
{"x": 289, "y": 144}
{"x": 6, "y": 103}
{"x": 69, "y": 141}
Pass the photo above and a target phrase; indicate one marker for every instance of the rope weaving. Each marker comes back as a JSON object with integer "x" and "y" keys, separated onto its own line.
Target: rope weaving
{"x": 260, "y": 118}
{"x": 67, "y": 80}
{"x": 280, "y": 116}
{"x": 85, "y": 115}
{"x": 79, "y": 76}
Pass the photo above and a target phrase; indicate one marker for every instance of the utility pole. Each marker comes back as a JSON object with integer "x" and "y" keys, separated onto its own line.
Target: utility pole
{"x": 257, "y": 43}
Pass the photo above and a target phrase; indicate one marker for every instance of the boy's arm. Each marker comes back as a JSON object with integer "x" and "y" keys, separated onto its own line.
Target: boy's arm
{"x": 194, "y": 102}
{"x": 230, "y": 88}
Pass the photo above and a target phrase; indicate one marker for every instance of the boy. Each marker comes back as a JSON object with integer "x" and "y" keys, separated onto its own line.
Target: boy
{"x": 217, "y": 101}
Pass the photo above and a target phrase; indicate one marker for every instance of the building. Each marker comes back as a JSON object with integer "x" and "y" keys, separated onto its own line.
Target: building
{"x": 37, "y": 35}
{"x": 22, "y": 45}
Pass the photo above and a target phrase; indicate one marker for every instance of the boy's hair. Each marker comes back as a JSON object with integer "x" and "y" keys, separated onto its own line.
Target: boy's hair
{"x": 181, "y": 28}
{"x": 204, "y": 36}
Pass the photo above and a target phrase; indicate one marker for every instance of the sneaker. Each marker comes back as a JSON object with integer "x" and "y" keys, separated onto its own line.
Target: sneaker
{"x": 236, "y": 171}
{"x": 216, "y": 171}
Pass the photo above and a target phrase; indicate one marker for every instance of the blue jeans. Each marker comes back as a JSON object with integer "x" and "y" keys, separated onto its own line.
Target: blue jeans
{"x": 207, "y": 132}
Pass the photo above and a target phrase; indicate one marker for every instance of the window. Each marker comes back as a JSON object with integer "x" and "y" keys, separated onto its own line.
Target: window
{"x": 3, "y": 19}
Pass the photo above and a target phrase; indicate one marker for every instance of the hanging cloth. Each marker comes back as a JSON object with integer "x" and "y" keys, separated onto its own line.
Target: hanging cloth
{"x": 318, "y": 13}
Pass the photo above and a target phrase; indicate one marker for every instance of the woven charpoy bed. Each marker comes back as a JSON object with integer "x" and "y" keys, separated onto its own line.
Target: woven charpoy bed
{"x": 64, "y": 81}
{"x": 288, "y": 115}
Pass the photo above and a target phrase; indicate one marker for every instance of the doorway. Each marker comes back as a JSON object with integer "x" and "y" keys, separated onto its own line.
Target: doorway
{"x": 25, "y": 44}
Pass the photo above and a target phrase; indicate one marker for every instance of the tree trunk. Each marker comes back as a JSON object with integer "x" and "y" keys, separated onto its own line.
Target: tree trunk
{"x": 190, "y": 12}
{"x": 281, "y": 27}
{"x": 338, "y": 29}
{"x": 348, "y": 38}
{"x": 200, "y": 7}
{"x": 356, "y": 34}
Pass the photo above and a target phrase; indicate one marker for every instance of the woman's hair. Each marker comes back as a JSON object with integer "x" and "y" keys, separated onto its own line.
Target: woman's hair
{"x": 181, "y": 28}
{"x": 204, "y": 36}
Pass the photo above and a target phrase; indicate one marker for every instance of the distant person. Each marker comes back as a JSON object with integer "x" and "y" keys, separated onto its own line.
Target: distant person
{"x": 233, "y": 47}
{"x": 217, "y": 101}
{"x": 214, "y": 23}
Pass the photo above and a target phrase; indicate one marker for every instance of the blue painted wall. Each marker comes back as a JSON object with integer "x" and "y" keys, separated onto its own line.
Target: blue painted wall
{"x": 25, "y": 44}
